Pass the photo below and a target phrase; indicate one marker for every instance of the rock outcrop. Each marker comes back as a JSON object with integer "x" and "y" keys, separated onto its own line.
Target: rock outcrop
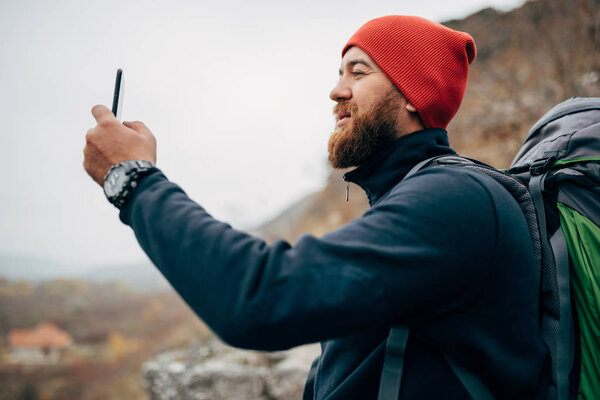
{"x": 217, "y": 372}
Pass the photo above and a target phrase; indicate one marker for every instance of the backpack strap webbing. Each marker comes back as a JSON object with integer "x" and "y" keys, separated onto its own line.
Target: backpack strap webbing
{"x": 564, "y": 345}
{"x": 393, "y": 363}
{"x": 564, "y": 336}
{"x": 475, "y": 386}
{"x": 393, "y": 368}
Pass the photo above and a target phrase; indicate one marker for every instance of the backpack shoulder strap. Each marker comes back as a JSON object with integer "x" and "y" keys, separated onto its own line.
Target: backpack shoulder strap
{"x": 395, "y": 348}
{"x": 446, "y": 159}
{"x": 393, "y": 368}
{"x": 564, "y": 336}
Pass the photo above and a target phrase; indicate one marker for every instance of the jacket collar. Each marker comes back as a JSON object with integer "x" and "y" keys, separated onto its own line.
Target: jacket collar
{"x": 387, "y": 167}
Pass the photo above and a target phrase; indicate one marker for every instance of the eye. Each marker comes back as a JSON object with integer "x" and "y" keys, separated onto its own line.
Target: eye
{"x": 358, "y": 73}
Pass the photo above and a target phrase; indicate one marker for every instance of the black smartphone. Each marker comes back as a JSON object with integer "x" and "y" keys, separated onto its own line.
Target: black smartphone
{"x": 118, "y": 96}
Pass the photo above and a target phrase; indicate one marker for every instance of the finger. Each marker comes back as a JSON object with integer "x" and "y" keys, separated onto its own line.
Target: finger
{"x": 138, "y": 126}
{"x": 101, "y": 113}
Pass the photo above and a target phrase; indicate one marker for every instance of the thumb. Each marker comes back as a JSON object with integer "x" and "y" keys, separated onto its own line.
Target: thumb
{"x": 101, "y": 113}
{"x": 138, "y": 126}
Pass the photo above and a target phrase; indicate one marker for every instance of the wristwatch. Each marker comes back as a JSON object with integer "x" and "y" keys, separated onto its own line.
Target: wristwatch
{"x": 121, "y": 180}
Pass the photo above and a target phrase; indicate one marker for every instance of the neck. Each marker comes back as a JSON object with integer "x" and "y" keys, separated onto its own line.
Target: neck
{"x": 388, "y": 166}
{"x": 413, "y": 124}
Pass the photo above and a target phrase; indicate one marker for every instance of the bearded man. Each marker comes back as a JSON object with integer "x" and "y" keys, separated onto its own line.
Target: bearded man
{"x": 445, "y": 252}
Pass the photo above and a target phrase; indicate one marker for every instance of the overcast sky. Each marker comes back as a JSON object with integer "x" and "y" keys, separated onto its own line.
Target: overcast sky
{"x": 236, "y": 93}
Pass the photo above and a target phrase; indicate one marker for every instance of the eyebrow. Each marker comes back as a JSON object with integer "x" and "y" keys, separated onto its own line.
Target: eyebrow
{"x": 357, "y": 61}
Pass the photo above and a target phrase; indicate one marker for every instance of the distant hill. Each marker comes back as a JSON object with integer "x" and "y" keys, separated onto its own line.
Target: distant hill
{"x": 32, "y": 269}
{"x": 142, "y": 276}
{"x": 528, "y": 60}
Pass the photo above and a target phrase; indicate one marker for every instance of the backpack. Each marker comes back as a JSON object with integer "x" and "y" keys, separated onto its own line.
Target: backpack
{"x": 555, "y": 178}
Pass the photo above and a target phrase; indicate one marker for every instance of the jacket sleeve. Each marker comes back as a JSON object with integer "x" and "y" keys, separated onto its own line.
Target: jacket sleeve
{"x": 420, "y": 252}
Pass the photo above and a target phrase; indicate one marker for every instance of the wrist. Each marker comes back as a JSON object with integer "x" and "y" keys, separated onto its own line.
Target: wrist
{"x": 122, "y": 180}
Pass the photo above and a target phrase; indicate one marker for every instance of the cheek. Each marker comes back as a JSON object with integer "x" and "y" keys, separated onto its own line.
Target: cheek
{"x": 365, "y": 96}
{"x": 363, "y": 100}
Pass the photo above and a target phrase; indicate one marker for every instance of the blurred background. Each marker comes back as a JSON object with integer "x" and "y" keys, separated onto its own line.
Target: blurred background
{"x": 237, "y": 96}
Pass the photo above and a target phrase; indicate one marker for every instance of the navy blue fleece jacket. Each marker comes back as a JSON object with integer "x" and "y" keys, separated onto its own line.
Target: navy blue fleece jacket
{"x": 446, "y": 252}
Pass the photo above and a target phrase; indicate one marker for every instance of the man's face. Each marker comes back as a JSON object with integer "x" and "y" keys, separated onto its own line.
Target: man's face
{"x": 370, "y": 111}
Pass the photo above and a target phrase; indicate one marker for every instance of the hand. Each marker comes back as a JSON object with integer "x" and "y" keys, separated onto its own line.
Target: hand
{"x": 111, "y": 142}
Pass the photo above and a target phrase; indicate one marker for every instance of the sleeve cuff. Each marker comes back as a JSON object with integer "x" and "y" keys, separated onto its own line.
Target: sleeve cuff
{"x": 149, "y": 179}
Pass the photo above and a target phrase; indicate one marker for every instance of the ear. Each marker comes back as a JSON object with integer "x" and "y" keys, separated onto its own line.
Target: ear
{"x": 411, "y": 108}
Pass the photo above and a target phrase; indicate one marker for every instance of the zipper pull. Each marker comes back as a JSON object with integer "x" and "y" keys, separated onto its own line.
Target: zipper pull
{"x": 347, "y": 190}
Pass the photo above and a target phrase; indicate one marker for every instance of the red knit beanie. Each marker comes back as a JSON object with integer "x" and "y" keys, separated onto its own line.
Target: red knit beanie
{"x": 428, "y": 62}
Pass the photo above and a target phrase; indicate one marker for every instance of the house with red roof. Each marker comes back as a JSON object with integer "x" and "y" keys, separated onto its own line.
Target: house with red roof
{"x": 42, "y": 344}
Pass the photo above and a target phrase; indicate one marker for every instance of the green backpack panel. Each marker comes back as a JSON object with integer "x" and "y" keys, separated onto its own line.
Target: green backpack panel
{"x": 583, "y": 241}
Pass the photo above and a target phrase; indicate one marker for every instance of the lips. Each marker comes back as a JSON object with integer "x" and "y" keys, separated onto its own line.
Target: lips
{"x": 343, "y": 114}
{"x": 343, "y": 117}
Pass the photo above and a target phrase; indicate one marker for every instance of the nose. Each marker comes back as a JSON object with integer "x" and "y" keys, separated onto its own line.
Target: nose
{"x": 341, "y": 91}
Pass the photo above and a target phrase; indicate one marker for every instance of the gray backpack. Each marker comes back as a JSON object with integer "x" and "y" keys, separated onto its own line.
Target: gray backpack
{"x": 555, "y": 178}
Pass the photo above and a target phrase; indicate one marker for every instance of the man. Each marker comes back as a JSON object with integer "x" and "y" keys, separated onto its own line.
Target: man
{"x": 445, "y": 252}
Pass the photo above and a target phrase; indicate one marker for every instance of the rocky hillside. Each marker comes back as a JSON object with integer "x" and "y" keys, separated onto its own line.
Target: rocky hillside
{"x": 528, "y": 60}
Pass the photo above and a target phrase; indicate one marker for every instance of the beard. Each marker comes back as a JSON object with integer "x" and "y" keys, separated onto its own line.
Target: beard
{"x": 366, "y": 133}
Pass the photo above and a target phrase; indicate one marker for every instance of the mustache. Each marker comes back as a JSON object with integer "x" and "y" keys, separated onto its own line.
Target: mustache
{"x": 345, "y": 106}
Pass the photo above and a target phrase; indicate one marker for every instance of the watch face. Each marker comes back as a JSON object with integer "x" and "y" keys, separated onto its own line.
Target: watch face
{"x": 115, "y": 181}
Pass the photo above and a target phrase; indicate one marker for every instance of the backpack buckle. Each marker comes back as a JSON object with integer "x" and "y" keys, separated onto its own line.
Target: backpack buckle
{"x": 541, "y": 166}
